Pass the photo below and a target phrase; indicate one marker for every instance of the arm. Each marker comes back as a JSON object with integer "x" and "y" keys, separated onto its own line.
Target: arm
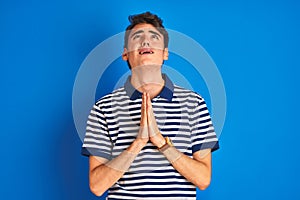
{"x": 197, "y": 170}
{"x": 103, "y": 174}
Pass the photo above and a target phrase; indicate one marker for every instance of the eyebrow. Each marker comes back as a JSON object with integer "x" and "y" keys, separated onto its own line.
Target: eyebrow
{"x": 155, "y": 33}
{"x": 142, "y": 31}
{"x": 139, "y": 31}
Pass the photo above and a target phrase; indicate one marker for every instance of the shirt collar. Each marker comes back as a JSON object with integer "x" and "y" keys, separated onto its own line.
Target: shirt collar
{"x": 166, "y": 92}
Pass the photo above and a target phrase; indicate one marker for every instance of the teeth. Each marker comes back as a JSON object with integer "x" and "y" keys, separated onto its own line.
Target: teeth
{"x": 146, "y": 52}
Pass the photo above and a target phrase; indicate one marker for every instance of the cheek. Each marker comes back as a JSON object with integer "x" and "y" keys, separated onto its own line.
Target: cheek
{"x": 158, "y": 45}
{"x": 133, "y": 45}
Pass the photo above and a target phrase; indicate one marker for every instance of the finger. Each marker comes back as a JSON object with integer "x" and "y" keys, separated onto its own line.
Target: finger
{"x": 149, "y": 104}
{"x": 143, "y": 132}
{"x": 144, "y": 111}
{"x": 151, "y": 121}
{"x": 150, "y": 115}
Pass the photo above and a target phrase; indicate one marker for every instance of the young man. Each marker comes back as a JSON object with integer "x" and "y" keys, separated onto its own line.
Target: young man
{"x": 149, "y": 139}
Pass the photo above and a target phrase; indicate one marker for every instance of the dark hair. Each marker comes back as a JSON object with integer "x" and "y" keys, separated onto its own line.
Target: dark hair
{"x": 147, "y": 18}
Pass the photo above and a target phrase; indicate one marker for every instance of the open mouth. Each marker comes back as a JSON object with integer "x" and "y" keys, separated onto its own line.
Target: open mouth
{"x": 145, "y": 51}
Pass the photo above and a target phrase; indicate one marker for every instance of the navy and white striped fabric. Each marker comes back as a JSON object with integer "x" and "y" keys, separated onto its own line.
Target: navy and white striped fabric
{"x": 113, "y": 124}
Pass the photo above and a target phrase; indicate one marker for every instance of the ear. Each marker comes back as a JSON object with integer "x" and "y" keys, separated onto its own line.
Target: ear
{"x": 125, "y": 54}
{"x": 166, "y": 54}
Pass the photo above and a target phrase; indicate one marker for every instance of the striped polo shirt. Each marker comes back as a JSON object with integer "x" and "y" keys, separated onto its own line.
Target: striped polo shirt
{"x": 113, "y": 124}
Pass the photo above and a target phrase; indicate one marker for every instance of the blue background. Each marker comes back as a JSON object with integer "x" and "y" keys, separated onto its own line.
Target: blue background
{"x": 255, "y": 45}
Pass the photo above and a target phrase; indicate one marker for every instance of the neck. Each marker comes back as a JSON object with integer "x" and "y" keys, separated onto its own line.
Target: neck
{"x": 147, "y": 79}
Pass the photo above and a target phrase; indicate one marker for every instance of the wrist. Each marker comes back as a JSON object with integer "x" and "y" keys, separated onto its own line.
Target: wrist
{"x": 167, "y": 143}
{"x": 169, "y": 151}
{"x": 158, "y": 140}
{"x": 136, "y": 146}
{"x": 162, "y": 142}
{"x": 122, "y": 162}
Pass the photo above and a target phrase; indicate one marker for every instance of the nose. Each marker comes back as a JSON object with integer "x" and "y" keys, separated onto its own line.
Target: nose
{"x": 145, "y": 42}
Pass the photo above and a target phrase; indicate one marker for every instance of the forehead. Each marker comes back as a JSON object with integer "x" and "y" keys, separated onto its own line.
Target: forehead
{"x": 144, "y": 28}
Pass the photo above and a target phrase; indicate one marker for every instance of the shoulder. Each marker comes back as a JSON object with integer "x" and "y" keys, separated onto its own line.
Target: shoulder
{"x": 116, "y": 95}
{"x": 184, "y": 94}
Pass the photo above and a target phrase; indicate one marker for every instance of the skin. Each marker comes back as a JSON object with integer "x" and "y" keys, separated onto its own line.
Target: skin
{"x": 145, "y": 37}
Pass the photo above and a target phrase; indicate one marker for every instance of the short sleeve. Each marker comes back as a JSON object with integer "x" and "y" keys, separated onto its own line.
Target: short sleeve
{"x": 203, "y": 133}
{"x": 97, "y": 141}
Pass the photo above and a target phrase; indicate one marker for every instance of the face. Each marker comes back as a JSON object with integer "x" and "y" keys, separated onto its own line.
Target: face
{"x": 145, "y": 47}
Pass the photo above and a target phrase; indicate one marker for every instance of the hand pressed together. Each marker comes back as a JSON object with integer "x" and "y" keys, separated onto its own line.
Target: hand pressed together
{"x": 148, "y": 126}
